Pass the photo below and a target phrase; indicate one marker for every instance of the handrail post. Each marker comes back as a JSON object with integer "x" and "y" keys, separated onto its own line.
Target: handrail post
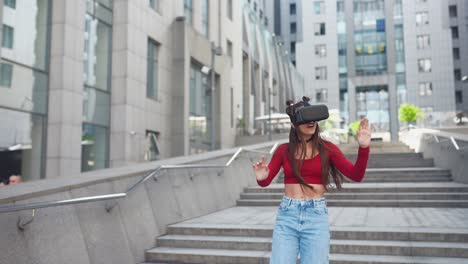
{"x": 21, "y": 225}
{"x": 233, "y": 157}
{"x": 274, "y": 148}
{"x": 454, "y": 143}
{"x": 110, "y": 205}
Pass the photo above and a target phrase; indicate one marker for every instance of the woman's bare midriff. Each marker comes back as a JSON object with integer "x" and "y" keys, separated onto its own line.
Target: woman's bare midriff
{"x": 294, "y": 190}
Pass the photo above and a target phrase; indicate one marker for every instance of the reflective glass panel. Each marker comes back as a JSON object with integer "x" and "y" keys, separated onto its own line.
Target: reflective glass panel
{"x": 96, "y": 107}
{"x": 27, "y": 88}
{"x": 94, "y": 147}
{"x": 21, "y": 145}
{"x": 26, "y": 33}
{"x": 97, "y": 53}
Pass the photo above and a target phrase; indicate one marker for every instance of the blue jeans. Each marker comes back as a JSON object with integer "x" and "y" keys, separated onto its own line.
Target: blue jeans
{"x": 301, "y": 228}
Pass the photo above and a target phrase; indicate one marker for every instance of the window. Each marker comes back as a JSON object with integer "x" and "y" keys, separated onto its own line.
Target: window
{"x": 319, "y": 7}
{"x": 456, "y": 53}
{"x": 319, "y": 29}
{"x": 94, "y": 147}
{"x": 10, "y": 3}
{"x": 320, "y": 73}
{"x": 425, "y": 88}
{"x": 321, "y": 50}
{"x": 340, "y": 7}
{"x": 7, "y": 36}
{"x": 423, "y": 41}
{"x": 152, "y": 70}
{"x": 321, "y": 96}
{"x": 293, "y": 28}
{"x": 422, "y": 18}
{"x": 188, "y": 11}
{"x": 6, "y": 72}
{"x": 458, "y": 97}
{"x": 255, "y": 6}
{"x": 293, "y": 47}
{"x": 425, "y": 65}
{"x": 292, "y": 9}
{"x": 457, "y": 74}
{"x": 97, "y": 53}
{"x": 154, "y": 4}
{"x": 453, "y": 11}
{"x": 454, "y": 32}
{"x": 205, "y": 18}
{"x": 152, "y": 146}
{"x": 229, "y": 9}
{"x": 229, "y": 51}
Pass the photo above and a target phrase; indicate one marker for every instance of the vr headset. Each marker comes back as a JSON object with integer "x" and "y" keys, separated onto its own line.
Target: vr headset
{"x": 309, "y": 114}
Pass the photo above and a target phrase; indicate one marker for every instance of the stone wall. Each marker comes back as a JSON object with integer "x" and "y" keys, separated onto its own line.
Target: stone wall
{"x": 87, "y": 233}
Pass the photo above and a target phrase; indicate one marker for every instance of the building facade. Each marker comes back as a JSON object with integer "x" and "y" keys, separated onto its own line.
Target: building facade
{"x": 367, "y": 57}
{"x": 456, "y": 13}
{"x": 269, "y": 77}
{"x": 286, "y": 21}
{"x": 92, "y": 84}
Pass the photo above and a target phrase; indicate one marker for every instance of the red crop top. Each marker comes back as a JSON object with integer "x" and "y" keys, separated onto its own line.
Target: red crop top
{"x": 312, "y": 169}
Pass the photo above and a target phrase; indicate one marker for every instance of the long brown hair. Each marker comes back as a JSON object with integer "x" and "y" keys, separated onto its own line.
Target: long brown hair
{"x": 329, "y": 171}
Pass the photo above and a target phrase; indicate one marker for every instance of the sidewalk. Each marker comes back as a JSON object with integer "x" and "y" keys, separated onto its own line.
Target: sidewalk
{"x": 372, "y": 218}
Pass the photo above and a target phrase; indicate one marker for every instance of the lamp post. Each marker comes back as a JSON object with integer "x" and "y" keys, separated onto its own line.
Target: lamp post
{"x": 215, "y": 51}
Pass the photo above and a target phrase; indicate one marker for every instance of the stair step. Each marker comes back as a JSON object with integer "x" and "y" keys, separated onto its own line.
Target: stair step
{"x": 389, "y": 195}
{"x": 407, "y": 170}
{"x": 394, "y": 160}
{"x": 377, "y": 187}
{"x": 379, "y": 259}
{"x": 399, "y": 248}
{"x": 368, "y": 203}
{"x": 378, "y": 179}
{"x": 215, "y": 242}
{"x": 189, "y": 255}
{"x": 339, "y": 233}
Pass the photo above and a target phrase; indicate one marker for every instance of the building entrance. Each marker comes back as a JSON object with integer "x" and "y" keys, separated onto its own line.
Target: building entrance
{"x": 372, "y": 102}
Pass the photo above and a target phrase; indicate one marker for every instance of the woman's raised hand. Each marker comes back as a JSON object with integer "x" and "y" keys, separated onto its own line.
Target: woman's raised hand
{"x": 364, "y": 133}
{"x": 261, "y": 169}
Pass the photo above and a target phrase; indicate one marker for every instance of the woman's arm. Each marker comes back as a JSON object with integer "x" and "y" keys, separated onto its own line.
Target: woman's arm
{"x": 355, "y": 172}
{"x": 266, "y": 173}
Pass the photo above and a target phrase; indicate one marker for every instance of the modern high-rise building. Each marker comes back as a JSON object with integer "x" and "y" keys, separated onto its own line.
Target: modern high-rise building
{"x": 269, "y": 77}
{"x": 286, "y": 22}
{"x": 456, "y": 13}
{"x": 92, "y": 84}
{"x": 367, "y": 57}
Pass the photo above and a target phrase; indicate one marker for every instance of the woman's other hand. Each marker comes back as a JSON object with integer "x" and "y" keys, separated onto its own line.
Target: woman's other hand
{"x": 364, "y": 133}
{"x": 261, "y": 169}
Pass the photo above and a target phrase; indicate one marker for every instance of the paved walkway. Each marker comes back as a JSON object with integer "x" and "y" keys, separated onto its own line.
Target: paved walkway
{"x": 427, "y": 218}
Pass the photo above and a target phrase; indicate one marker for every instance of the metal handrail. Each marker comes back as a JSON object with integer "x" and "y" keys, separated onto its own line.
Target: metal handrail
{"x": 448, "y": 138}
{"x": 153, "y": 174}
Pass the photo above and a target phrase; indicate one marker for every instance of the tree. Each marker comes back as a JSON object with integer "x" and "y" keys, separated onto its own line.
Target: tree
{"x": 353, "y": 128}
{"x": 410, "y": 113}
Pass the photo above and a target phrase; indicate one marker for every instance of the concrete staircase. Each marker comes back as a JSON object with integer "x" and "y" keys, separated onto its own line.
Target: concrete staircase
{"x": 392, "y": 192}
{"x": 245, "y": 244}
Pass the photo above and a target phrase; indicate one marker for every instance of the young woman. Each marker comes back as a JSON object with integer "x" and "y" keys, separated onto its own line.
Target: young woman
{"x": 310, "y": 164}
